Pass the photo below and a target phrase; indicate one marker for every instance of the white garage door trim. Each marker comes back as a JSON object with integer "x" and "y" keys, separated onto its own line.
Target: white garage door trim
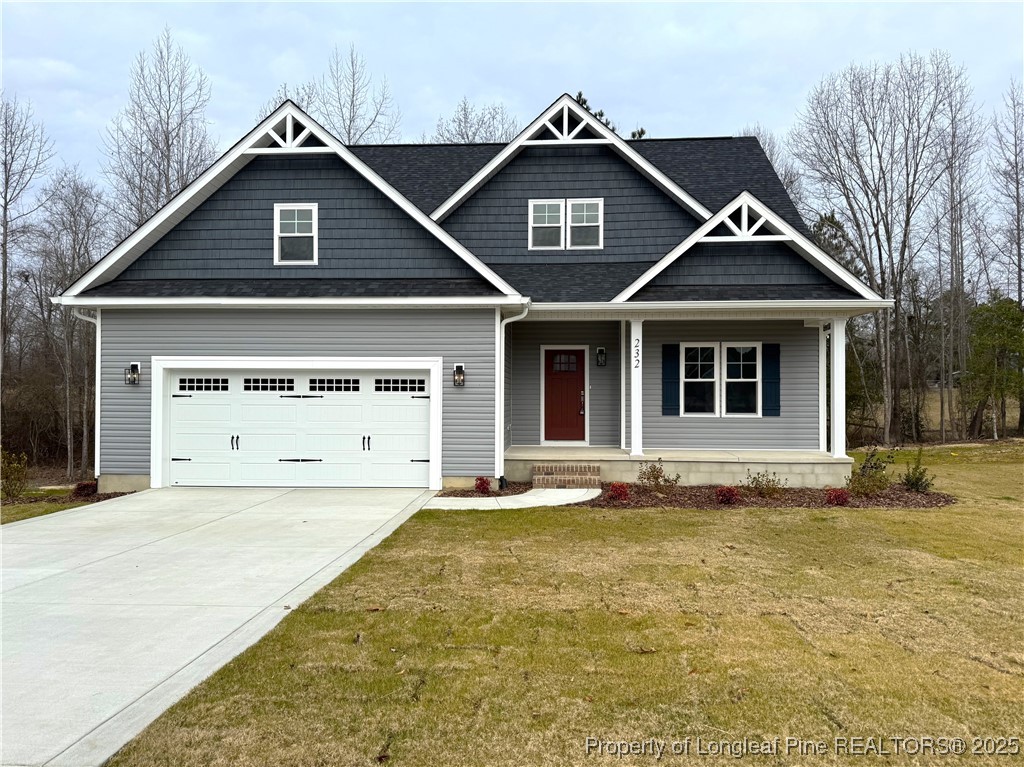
{"x": 162, "y": 366}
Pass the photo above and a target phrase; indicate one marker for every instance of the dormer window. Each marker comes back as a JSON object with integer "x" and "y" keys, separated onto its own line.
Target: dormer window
{"x": 295, "y": 234}
{"x": 567, "y": 224}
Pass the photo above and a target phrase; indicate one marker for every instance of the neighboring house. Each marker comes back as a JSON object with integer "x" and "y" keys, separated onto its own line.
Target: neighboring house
{"x": 311, "y": 314}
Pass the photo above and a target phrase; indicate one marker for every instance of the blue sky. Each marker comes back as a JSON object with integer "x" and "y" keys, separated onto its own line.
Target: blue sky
{"x": 677, "y": 69}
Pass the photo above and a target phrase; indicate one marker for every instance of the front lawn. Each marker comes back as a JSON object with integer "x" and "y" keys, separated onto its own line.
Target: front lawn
{"x": 35, "y": 503}
{"x": 509, "y": 637}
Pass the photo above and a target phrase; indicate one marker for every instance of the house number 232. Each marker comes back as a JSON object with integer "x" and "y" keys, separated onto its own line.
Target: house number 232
{"x": 636, "y": 353}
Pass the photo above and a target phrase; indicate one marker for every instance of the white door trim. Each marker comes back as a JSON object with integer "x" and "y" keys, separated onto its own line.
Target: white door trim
{"x": 586, "y": 396}
{"x": 162, "y": 366}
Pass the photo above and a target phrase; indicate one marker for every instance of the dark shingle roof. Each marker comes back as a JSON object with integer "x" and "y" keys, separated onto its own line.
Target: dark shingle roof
{"x": 713, "y": 170}
{"x": 292, "y": 288}
{"x": 743, "y": 293}
{"x": 555, "y": 283}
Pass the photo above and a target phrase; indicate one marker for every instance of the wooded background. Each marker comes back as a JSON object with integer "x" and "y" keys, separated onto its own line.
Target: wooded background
{"x": 898, "y": 171}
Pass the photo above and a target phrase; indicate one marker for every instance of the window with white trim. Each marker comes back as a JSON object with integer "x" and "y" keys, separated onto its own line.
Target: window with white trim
{"x": 586, "y": 224}
{"x": 699, "y": 379}
{"x": 720, "y": 379}
{"x": 547, "y": 230}
{"x": 295, "y": 234}
{"x": 742, "y": 381}
{"x": 567, "y": 224}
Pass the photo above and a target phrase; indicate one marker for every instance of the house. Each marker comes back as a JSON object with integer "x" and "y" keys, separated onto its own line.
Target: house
{"x": 311, "y": 314}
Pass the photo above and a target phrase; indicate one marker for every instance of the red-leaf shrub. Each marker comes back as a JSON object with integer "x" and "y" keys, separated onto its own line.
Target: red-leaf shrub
{"x": 837, "y": 496}
{"x": 483, "y": 485}
{"x": 619, "y": 491}
{"x": 84, "y": 490}
{"x": 726, "y": 495}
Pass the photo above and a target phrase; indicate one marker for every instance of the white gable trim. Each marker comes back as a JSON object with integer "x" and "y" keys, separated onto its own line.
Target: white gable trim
{"x": 555, "y": 119}
{"x": 747, "y": 233}
{"x": 234, "y": 159}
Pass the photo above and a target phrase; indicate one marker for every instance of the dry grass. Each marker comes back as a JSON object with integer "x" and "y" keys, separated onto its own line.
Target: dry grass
{"x": 508, "y": 637}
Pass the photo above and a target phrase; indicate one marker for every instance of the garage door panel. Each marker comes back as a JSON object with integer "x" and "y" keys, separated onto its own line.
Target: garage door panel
{"x": 337, "y": 428}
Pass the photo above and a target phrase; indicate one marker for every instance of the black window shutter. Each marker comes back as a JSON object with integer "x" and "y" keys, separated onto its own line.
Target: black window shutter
{"x": 670, "y": 379}
{"x": 771, "y": 390}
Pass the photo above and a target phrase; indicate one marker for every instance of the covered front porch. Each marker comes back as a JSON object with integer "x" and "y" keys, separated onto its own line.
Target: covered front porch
{"x": 613, "y": 392}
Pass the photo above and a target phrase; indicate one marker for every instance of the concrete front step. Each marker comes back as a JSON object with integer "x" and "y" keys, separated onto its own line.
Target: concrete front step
{"x": 567, "y": 475}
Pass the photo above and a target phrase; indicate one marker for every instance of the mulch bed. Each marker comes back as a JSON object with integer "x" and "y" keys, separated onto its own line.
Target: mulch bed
{"x": 69, "y": 498}
{"x": 514, "y": 488}
{"x": 703, "y": 497}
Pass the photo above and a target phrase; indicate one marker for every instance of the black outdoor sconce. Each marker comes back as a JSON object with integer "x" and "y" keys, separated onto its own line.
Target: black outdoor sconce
{"x": 133, "y": 374}
{"x": 602, "y": 356}
{"x": 459, "y": 375}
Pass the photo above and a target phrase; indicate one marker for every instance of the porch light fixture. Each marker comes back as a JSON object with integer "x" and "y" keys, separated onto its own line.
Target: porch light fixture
{"x": 602, "y": 356}
{"x": 459, "y": 375}
{"x": 133, "y": 374}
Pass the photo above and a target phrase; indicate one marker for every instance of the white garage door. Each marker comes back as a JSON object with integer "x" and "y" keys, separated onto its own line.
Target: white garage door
{"x": 299, "y": 428}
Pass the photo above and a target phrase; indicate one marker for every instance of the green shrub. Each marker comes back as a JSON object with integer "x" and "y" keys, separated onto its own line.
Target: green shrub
{"x": 13, "y": 474}
{"x": 765, "y": 485}
{"x": 917, "y": 477}
{"x": 651, "y": 476}
{"x": 871, "y": 477}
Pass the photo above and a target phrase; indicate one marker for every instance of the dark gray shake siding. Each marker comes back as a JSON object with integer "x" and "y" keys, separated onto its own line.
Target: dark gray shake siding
{"x": 795, "y": 429}
{"x": 525, "y": 340}
{"x": 362, "y": 234}
{"x": 465, "y": 336}
{"x": 641, "y": 224}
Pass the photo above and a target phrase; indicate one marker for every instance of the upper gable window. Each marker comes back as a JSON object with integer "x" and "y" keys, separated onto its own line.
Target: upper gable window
{"x": 562, "y": 224}
{"x": 586, "y": 223}
{"x": 295, "y": 234}
{"x": 547, "y": 224}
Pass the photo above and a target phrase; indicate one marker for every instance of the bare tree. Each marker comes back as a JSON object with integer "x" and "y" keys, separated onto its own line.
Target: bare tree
{"x": 867, "y": 143}
{"x": 346, "y": 101}
{"x": 26, "y": 153}
{"x": 159, "y": 143}
{"x": 472, "y": 125}
{"x": 69, "y": 236}
{"x": 1007, "y": 167}
{"x": 782, "y": 161}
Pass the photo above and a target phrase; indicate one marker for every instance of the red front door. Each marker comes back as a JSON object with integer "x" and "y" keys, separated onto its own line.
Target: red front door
{"x": 565, "y": 394}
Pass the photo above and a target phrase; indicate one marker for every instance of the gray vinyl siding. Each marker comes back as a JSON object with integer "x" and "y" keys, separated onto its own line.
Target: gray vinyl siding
{"x": 362, "y": 234}
{"x": 525, "y": 340}
{"x": 748, "y": 263}
{"x": 465, "y": 336}
{"x": 641, "y": 223}
{"x": 795, "y": 429}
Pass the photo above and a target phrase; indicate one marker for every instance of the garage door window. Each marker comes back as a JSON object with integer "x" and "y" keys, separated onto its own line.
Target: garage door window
{"x": 400, "y": 384}
{"x": 268, "y": 384}
{"x": 334, "y": 384}
{"x": 202, "y": 384}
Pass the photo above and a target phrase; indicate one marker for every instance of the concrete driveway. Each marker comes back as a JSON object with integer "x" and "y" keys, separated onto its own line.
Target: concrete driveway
{"x": 112, "y": 612}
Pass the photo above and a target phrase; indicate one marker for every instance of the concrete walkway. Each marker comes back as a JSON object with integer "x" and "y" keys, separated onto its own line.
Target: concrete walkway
{"x": 112, "y": 612}
{"x": 528, "y": 500}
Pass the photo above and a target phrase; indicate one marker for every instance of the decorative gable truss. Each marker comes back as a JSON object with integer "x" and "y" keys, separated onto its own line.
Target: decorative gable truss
{"x": 567, "y": 123}
{"x": 747, "y": 219}
{"x": 287, "y": 130}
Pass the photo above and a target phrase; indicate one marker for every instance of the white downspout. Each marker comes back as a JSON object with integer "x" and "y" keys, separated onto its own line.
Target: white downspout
{"x": 96, "y": 386}
{"x": 499, "y": 444}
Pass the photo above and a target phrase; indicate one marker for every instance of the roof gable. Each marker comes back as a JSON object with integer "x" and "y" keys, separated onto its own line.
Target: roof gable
{"x": 563, "y": 123}
{"x": 288, "y": 131}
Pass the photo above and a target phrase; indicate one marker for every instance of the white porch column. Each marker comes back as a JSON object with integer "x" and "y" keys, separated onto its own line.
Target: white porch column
{"x": 636, "y": 387}
{"x": 822, "y": 388}
{"x": 839, "y": 387}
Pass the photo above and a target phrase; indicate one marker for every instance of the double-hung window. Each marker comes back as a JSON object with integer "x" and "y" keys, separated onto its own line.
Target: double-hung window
{"x": 566, "y": 224}
{"x": 700, "y": 379}
{"x": 720, "y": 379}
{"x": 547, "y": 224}
{"x": 295, "y": 234}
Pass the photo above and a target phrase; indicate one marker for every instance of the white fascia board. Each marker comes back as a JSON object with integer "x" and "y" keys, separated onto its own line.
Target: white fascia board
{"x": 287, "y": 303}
{"x": 238, "y": 151}
{"x": 624, "y": 310}
{"x": 608, "y": 137}
{"x": 804, "y": 245}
